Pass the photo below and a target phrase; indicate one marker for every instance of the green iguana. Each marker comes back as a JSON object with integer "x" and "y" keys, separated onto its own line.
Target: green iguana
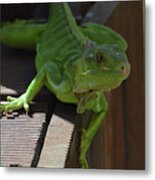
{"x": 76, "y": 64}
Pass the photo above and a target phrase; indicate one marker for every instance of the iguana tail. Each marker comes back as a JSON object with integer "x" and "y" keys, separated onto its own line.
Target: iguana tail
{"x": 21, "y": 33}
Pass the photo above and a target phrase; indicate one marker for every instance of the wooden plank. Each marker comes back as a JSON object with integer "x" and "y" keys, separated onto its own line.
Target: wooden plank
{"x": 56, "y": 144}
{"x": 20, "y": 138}
{"x": 72, "y": 158}
{"x": 133, "y": 98}
{"x": 120, "y": 142}
{"x": 58, "y": 137}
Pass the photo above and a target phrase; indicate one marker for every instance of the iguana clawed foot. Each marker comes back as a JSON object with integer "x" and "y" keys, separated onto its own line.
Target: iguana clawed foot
{"x": 15, "y": 104}
{"x": 83, "y": 161}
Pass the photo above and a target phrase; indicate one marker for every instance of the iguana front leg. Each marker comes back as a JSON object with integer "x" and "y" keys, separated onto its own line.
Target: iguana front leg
{"x": 27, "y": 97}
{"x": 96, "y": 102}
{"x": 34, "y": 87}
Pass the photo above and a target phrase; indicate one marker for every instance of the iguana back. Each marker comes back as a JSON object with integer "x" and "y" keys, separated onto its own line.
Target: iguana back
{"x": 61, "y": 38}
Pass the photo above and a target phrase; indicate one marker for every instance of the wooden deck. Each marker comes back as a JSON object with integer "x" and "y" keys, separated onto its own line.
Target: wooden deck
{"x": 22, "y": 136}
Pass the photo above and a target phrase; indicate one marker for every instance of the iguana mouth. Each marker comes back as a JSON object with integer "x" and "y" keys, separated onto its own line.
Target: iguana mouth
{"x": 113, "y": 79}
{"x": 98, "y": 80}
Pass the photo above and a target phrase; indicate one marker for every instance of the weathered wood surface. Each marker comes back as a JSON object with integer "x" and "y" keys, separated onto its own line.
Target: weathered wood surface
{"x": 120, "y": 142}
{"x": 57, "y": 141}
{"x": 20, "y": 138}
{"x": 21, "y": 135}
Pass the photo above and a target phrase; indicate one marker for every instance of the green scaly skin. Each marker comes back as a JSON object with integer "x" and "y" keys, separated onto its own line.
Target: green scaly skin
{"x": 76, "y": 64}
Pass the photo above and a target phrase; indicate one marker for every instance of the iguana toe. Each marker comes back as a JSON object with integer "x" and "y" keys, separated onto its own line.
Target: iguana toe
{"x": 15, "y": 104}
{"x": 83, "y": 162}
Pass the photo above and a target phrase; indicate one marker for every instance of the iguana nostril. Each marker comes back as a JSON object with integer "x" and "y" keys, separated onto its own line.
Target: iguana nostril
{"x": 126, "y": 69}
{"x": 122, "y": 68}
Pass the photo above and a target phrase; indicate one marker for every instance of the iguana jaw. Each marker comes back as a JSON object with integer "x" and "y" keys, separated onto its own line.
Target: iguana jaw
{"x": 113, "y": 79}
{"x": 99, "y": 80}
{"x": 110, "y": 79}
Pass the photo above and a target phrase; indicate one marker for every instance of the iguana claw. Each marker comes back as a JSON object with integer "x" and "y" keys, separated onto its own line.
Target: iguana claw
{"x": 83, "y": 162}
{"x": 15, "y": 104}
{"x": 10, "y": 98}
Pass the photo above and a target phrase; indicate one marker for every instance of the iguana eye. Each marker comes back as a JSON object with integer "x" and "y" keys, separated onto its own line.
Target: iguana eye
{"x": 99, "y": 58}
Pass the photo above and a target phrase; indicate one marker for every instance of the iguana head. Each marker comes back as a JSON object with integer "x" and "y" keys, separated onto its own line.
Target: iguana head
{"x": 112, "y": 64}
{"x": 106, "y": 66}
